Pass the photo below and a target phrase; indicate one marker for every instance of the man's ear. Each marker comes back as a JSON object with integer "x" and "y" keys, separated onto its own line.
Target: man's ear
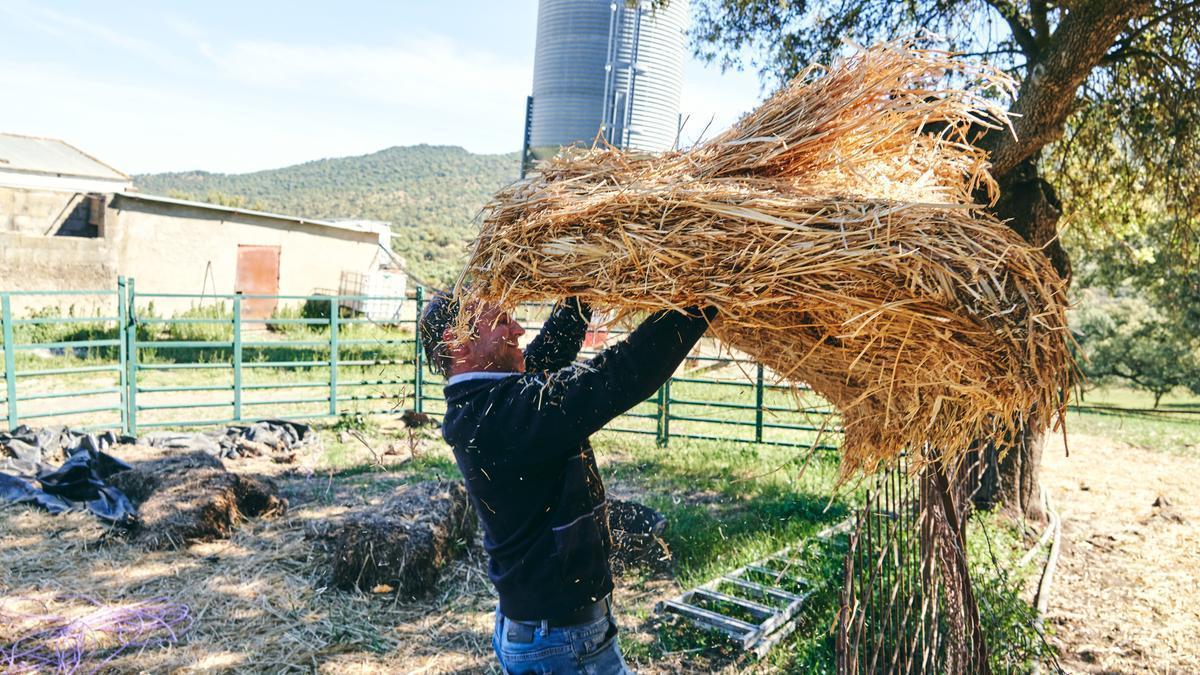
{"x": 453, "y": 346}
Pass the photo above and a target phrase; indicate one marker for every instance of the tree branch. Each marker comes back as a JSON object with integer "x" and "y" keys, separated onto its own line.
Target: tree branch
{"x": 1149, "y": 386}
{"x": 1126, "y": 53}
{"x": 994, "y": 52}
{"x": 1047, "y": 95}
{"x": 1041, "y": 23}
{"x": 1021, "y": 34}
{"x": 1154, "y": 21}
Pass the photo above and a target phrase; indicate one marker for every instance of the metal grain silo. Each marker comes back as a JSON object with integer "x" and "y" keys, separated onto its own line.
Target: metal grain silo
{"x": 606, "y": 67}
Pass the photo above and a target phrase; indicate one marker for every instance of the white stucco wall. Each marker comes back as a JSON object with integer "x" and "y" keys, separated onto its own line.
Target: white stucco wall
{"x": 40, "y": 263}
{"x": 169, "y": 248}
{"x": 34, "y": 212}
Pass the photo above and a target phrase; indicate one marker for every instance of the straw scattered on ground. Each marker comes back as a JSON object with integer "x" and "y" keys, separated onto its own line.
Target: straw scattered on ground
{"x": 192, "y": 497}
{"x": 836, "y": 229}
{"x": 405, "y": 543}
{"x": 259, "y": 601}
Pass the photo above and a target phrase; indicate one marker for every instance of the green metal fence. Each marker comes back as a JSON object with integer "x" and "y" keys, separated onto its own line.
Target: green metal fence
{"x": 316, "y": 357}
{"x": 91, "y": 385}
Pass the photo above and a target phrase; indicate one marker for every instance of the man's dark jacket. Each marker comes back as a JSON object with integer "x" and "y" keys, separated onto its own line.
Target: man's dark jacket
{"x": 521, "y": 442}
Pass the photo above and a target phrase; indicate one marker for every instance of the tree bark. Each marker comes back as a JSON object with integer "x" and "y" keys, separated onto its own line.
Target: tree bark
{"x": 1048, "y": 93}
{"x": 1045, "y": 100}
{"x": 1019, "y": 489}
{"x": 1032, "y": 209}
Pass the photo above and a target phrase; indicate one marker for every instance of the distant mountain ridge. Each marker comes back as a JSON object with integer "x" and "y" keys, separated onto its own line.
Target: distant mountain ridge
{"x": 430, "y": 194}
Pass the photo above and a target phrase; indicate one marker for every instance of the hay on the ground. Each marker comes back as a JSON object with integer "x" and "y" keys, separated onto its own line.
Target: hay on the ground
{"x": 405, "y": 544}
{"x": 637, "y": 537}
{"x": 836, "y": 230}
{"x": 191, "y": 497}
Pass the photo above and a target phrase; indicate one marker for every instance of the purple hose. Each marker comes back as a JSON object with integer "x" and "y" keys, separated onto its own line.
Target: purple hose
{"x": 61, "y": 645}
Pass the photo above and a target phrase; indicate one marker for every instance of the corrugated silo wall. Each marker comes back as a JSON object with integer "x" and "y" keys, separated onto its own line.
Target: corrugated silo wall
{"x": 654, "y": 119}
{"x": 569, "y": 80}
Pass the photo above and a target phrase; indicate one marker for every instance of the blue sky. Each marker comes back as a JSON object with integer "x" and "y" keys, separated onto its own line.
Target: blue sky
{"x": 241, "y": 86}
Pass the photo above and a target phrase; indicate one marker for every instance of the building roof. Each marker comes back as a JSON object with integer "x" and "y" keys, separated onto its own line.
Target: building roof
{"x": 350, "y": 226}
{"x": 52, "y": 157}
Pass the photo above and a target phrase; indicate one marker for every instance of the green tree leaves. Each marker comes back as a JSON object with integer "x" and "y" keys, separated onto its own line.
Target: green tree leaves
{"x": 1125, "y": 339}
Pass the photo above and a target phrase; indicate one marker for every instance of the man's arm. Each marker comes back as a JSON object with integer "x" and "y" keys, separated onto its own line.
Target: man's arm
{"x": 560, "y": 339}
{"x": 558, "y": 412}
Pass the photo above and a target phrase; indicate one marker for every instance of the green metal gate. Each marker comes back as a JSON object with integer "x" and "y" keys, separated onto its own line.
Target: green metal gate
{"x": 122, "y": 363}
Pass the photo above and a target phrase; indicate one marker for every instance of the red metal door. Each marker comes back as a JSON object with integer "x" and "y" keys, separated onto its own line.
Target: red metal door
{"x": 258, "y": 274}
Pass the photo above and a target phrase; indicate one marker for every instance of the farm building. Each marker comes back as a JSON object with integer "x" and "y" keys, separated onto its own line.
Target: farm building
{"x": 71, "y": 222}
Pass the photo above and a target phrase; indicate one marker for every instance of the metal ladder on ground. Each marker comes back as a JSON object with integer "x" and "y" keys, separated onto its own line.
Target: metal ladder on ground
{"x": 756, "y": 605}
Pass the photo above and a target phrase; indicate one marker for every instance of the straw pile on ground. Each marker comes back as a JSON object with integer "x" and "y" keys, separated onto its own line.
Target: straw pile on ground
{"x": 191, "y": 497}
{"x": 405, "y": 543}
{"x": 836, "y": 228}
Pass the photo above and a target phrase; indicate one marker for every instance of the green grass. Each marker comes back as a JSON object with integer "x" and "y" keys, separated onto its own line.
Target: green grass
{"x": 1125, "y": 414}
{"x": 994, "y": 545}
{"x": 1174, "y": 436}
{"x": 728, "y": 504}
{"x": 1125, "y": 397}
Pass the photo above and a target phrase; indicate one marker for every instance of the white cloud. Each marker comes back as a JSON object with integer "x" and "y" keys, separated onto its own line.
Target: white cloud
{"x": 60, "y": 25}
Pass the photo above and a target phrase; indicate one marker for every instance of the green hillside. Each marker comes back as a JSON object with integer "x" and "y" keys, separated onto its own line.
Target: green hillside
{"x": 430, "y": 194}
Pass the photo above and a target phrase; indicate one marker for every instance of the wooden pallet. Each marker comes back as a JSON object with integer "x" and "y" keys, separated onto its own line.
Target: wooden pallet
{"x": 756, "y": 605}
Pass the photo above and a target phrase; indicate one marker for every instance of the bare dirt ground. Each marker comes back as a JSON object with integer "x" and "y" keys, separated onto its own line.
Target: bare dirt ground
{"x": 1126, "y": 596}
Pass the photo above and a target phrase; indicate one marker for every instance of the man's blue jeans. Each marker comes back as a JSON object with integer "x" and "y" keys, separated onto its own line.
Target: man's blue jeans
{"x": 589, "y": 648}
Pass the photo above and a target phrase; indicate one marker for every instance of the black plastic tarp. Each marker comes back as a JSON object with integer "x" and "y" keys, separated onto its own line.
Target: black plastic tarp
{"x": 278, "y": 435}
{"x": 28, "y": 474}
{"x": 60, "y": 469}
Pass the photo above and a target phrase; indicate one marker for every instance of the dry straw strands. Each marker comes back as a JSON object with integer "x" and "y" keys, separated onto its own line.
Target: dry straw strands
{"x": 835, "y": 228}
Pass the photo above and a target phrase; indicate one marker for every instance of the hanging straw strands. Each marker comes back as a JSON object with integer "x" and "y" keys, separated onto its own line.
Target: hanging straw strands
{"x": 836, "y": 230}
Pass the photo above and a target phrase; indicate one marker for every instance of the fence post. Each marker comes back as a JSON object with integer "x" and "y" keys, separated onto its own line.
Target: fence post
{"x": 122, "y": 329}
{"x": 658, "y": 420}
{"x": 10, "y": 362}
{"x": 418, "y": 355}
{"x": 758, "y": 406}
{"x": 664, "y": 415}
{"x": 237, "y": 356}
{"x": 131, "y": 358}
{"x": 333, "y": 355}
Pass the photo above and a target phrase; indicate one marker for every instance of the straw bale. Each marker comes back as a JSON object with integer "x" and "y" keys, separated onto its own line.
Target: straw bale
{"x": 406, "y": 543}
{"x": 836, "y": 229}
{"x": 191, "y": 497}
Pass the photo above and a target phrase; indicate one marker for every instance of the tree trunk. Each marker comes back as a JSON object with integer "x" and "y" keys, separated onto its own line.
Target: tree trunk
{"x": 1032, "y": 209}
{"x": 1045, "y": 100}
{"x": 1019, "y": 489}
